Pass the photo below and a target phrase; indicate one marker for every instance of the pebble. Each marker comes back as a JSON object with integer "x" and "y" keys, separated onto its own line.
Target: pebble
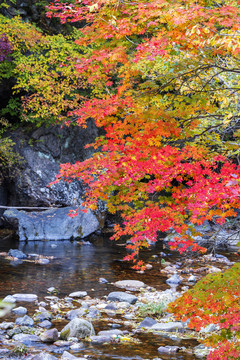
{"x": 9, "y": 299}
{"x": 24, "y": 321}
{"x": 78, "y": 294}
{"x": 175, "y": 279}
{"x": 20, "y": 310}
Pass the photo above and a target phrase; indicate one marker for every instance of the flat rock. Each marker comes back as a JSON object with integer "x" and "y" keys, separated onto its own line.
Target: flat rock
{"x": 24, "y": 321}
{"x": 147, "y": 323}
{"x": 53, "y": 224}
{"x": 43, "y": 356}
{"x": 133, "y": 285}
{"x": 122, "y": 296}
{"x": 168, "y": 349}
{"x": 26, "y": 339}
{"x": 78, "y": 294}
{"x": 67, "y": 356}
{"x": 170, "y": 326}
{"x": 6, "y": 325}
{"x": 112, "y": 332}
{"x": 25, "y": 297}
{"x": 101, "y": 339}
{"x": 45, "y": 324}
{"x": 17, "y": 254}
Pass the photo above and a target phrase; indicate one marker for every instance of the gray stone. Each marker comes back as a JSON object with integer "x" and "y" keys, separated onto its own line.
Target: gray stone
{"x": 44, "y": 315}
{"x": 43, "y": 261}
{"x": 4, "y": 352}
{"x": 201, "y": 351}
{"x": 147, "y": 323}
{"x": 110, "y": 307}
{"x": 26, "y": 339}
{"x": 170, "y": 326}
{"x": 25, "y": 297}
{"x": 9, "y": 299}
{"x": 78, "y": 328}
{"x": 209, "y": 328}
{"x": 168, "y": 349}
{"x": 103, "y": 281}
{"x": 53, "y": 224}
{"x": 19, "y": 310}
{"x": 45, "y": 324}
{"x": 17, "y": 254}
{"x": 78, "y": 294}
{"x": 76, "y": 313}
{"x": 192, "y": 278}
{"x": 6, "y": 325}
{"x": 174, "y": 279}
{"x": 24, "y": 321}
{"x": 43, "y": 356}
{"x": 130, "y": 284}
{"x": 122, "y": 296}
{"x": 93, "y": 314}
{"x": 49, "y": 336}
{"x": 101, "y": 339}
{"x": 111, "y": 332}
{"x": 52, "y": 290}
{"x": 67, "y": 356}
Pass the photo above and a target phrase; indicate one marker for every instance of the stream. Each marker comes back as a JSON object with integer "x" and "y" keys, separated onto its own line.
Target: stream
{"x": 78, "y": 266}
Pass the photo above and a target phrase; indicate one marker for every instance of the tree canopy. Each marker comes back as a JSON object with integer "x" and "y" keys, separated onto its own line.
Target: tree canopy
{"x": 163, "y": 81}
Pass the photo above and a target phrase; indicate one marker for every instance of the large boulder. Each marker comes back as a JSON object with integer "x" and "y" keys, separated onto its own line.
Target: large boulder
{"x": 78, "y": 328}
{"x": 53, "y": 224}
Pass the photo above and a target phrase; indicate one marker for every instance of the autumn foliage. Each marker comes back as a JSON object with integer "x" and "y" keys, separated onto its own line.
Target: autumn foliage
{"x": 215, "y": 300}
{"x": 163, "y": 81}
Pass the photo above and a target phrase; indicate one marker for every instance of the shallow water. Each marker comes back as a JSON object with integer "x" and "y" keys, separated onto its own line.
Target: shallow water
{"x": 78, "y": 266}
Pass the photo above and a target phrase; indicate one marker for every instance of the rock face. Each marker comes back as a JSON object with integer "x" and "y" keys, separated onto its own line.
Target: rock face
{"x": 54, "y": 224}
{"x": 42, "y": 151}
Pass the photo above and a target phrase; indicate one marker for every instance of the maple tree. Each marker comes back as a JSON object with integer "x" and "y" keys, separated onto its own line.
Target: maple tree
{"x": 214, "y": 300}
{"x": 163, "y": 82}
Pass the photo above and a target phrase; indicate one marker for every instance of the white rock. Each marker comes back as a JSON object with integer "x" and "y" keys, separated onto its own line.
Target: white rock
{"x": 25, "y": 297}
{"x": 78, "y": 294}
